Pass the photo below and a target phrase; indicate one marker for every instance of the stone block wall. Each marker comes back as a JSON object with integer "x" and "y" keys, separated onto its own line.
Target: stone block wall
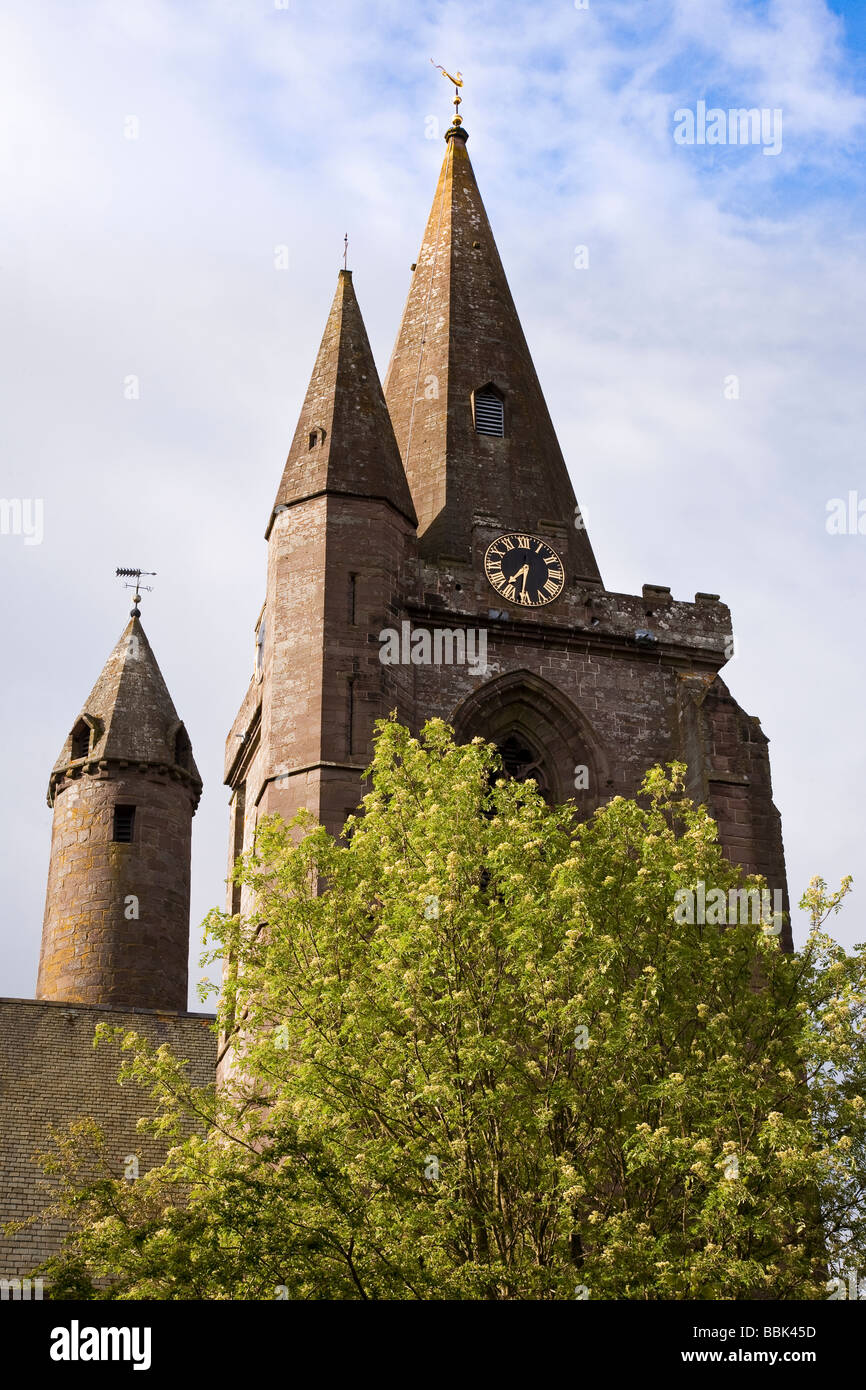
{"x": 50, "y": 1075}
{"x": 116, "y": 925}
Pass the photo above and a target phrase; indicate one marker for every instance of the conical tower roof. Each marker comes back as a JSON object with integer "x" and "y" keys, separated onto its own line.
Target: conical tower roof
{"x": 130, "y": 714}
{"x": 344, "y": 441}
{"x": 460, "y": 333}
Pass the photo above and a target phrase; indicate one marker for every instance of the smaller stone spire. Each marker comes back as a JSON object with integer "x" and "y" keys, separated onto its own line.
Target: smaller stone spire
{"x": 129, "y": 717}
{"x": 344, "y": 441}
{"x": 124, "y": 791}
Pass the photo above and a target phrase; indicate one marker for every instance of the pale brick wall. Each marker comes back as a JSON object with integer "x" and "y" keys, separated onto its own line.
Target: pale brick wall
{"x": 50, "y": 1074}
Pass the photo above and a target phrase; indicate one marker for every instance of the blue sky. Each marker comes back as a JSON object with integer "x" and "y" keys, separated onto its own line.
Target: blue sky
{"x": 261, "y": 127}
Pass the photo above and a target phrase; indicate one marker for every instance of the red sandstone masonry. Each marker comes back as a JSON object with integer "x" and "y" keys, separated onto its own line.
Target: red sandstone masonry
{"x": 116, "y": 925}
{"x": 613, "y": 682}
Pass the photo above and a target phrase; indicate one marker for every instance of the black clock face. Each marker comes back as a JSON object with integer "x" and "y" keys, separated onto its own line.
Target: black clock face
{"x": 525, "y": 570}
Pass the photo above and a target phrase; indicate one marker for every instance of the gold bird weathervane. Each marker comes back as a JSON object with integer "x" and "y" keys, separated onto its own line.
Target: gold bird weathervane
{"x": 457, "y": 79}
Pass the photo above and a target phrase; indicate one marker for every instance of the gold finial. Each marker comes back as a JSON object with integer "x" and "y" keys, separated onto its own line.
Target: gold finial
{"x": 457, "y": 79}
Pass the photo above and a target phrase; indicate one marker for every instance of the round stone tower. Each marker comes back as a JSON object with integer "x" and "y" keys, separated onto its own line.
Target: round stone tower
{"x": 124, "y": 791}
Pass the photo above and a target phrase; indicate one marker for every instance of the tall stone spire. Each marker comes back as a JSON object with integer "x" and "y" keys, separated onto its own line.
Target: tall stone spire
{"x": 124, "y": 790}
{"x": 344, "y": 441}
{"x": 131, "y": 714}
{"x": 341, "y": 529}
{"x": 460, "y": 333}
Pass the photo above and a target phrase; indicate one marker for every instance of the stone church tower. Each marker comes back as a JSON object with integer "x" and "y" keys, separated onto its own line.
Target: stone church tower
{"x": 339, "y": 533}
{"x": 124, "y": 791}
{"x": 115, "y": 945}
{"x": 426, "y": 555}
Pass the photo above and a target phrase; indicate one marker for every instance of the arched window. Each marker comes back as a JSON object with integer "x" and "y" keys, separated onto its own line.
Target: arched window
{"x": 81, "y": 739}
{"x": 540, "y": 734}
{"x": 522, "y": 764}
{"x": 489, "y": 410}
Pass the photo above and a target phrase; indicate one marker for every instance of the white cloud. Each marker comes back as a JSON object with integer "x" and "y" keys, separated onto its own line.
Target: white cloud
{"x": 261, "y": 127}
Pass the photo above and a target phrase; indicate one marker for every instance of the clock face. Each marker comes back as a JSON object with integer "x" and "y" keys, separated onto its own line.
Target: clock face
{"x": 524, "y": 570}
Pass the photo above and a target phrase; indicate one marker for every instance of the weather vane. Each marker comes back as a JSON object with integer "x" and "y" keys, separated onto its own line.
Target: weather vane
{"x": 457, "y": 79}
{"x": 137, "y": 586}
{"x": 345, "y": 250}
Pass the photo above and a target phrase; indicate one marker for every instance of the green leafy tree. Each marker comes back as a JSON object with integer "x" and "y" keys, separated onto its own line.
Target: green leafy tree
{"x": 476, "y": 1056}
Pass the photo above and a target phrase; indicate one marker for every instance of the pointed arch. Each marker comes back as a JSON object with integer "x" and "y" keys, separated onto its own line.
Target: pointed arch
{"x": 488, "y": 410}
{"x": 85, "y": 735}
{"x": 80, "y": 740}
{"x": 541, "y": 732}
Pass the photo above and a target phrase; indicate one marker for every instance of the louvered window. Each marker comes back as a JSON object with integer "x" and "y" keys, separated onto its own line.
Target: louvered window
{"x": 489, "y": 413}
{"x": 81, "y": 740}
{"x": 124, "y": 822}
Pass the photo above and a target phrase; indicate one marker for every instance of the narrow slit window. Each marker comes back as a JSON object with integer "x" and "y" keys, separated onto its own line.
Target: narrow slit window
{"x": 124, "y": 824}
{"x": 261, "y": 633}
{"x": 353, "y": 593}
{"x": 350, "y": 716}
{"x": 489, "y": 413}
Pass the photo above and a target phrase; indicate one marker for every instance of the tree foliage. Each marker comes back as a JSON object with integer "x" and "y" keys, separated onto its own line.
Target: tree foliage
{"x": 476, "y": 1057}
